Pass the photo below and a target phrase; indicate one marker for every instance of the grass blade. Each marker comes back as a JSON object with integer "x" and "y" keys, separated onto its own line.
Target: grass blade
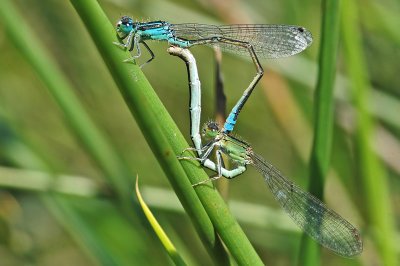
{"x": 373, "y": 181}
{"x": 76, "y": 117}
{"x": 162, "y": 236}
{"x": 323, "y": 107}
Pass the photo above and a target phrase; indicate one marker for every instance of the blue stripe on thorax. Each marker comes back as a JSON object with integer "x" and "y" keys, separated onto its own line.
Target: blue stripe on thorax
{"x": 160, "y": 31}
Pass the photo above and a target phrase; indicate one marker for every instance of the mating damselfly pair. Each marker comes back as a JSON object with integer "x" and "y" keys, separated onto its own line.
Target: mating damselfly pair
{"x": 268, "y": 41}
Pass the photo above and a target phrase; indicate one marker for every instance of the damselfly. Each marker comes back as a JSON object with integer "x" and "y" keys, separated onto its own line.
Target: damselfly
{"x": 309, "y": 213}
{"x": 255, "y": 40}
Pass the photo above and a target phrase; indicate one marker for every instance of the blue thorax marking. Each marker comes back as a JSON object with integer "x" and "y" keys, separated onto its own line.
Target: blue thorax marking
{"x": 160, "y": 31}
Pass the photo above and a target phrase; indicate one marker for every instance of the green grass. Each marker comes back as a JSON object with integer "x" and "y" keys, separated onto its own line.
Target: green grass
{"x": 62, "y": 115}
{"x": 323, "y": 120}
{"x": 373, "y": 178}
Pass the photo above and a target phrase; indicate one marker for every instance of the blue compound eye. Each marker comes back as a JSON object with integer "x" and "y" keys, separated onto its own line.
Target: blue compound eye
{"x": 125, "y": 25}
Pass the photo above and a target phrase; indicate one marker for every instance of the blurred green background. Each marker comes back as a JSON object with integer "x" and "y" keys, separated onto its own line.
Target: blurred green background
{"x": 44, "y": 223}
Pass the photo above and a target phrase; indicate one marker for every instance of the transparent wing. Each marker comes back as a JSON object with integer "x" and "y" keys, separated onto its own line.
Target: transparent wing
{"x": 268, "y": 41}
{"x": 313, "y": 216}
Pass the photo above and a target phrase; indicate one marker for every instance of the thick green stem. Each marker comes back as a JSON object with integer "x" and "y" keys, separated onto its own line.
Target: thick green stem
{"x": 166, "y": 141}
{"x": 323, "y": 107}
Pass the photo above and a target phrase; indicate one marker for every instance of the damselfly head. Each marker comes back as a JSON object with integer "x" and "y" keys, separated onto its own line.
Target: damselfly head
{"x": 210, "y": 130}
{"x": 124, "y": 25}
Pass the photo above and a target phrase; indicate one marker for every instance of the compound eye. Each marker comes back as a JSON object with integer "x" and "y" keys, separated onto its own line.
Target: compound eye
{"x": 213, "y": 126}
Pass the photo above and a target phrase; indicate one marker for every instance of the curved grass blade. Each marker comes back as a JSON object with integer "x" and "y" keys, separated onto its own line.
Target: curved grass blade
{"x": 166, "y": 242}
